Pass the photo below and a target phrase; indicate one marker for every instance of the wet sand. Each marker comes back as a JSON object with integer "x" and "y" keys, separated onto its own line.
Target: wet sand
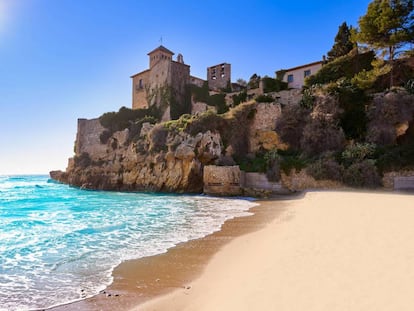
{"x": 137, "y": 281}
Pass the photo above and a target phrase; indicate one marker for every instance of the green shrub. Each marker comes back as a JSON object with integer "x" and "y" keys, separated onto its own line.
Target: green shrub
{"x": 321, "y": 134}
{"x": 264, "y": 99}
{"x": 253, "y": 164}
{"x": 200, "y": 94}
{"x": 366, "y": 79}
{"x": 352, "y": 101}
{"x": 218, "y": 101}
{"x": 357, "y": 152}
{"x": 362, "y": 174}
{"x": 394, "y": 158}
{"x": 326, "y": 169}
{"x": 118, "y": 121}
{"x": 308, "y": 97}
{"x": 288, "y": 163}
{"x": 273, "y": 85}
{"x": 342, "y": 67}
{"x": 204, "y": 122}
{"x": 180, "y": 124}
{"x": 409, "y": 86}
{"x": 135, "y": 128}
{"x": 239, "y": 98}
{"x": 291, "y": 123}
{"x": 180, "y": 105}
{"x": 273, "y": 160}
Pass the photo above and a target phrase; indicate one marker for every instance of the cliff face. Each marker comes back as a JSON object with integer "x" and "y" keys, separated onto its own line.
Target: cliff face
{"x": 159, "y": 160}
{"x": 171, "y": 156}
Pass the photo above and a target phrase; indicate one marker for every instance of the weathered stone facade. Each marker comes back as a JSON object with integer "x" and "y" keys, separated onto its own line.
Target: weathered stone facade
{"x": 222, "y": 180}
{"x": 219, "y": 76}
{"x": 163, "y": 82}
{"x": 166, "y": 81}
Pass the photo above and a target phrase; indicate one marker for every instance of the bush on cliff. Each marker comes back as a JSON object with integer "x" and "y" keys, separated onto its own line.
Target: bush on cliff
{"x": 326, "y": 169}
{"x": 202, "y": 94}
{"x": 118, "y": 121}
{"x": 352, "y": 102}
{"x": 342, "y": 67}
{"x": 264, "y": 99}
{"x": 209, "y": 120}
{"x": 362, "y": 175}
{"x": 291, "y": 124}
{"x": 241, "y": 98}
{"x": 322, "y": 132}
{"x": 273, "y": 85}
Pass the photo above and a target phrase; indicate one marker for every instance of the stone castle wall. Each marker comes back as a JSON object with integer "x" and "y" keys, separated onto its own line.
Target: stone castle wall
{"x": 88, "y": 138}
{"x": 139, "y": 93}
{"x": 219, "y": 76}
{"x": 222, "y": 180}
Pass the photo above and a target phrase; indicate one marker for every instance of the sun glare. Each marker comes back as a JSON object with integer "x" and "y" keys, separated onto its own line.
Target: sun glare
{"x": 2, "y": 16}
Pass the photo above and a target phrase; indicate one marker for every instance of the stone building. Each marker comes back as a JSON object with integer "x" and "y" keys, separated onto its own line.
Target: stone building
{"x": 219, "y": 76}
{"x": 167, "y": 80}
{"x": 164, "y": 78}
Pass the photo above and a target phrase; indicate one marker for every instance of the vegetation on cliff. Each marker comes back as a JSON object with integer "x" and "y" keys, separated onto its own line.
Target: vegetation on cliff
{"x": 351, "y": 126}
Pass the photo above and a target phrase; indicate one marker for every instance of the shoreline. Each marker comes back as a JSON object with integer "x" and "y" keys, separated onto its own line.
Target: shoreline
{"x": 334, "y": 250}
{"x": 140, "y": 280}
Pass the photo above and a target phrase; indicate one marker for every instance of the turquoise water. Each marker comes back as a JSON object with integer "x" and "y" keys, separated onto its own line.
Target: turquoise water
{"x": 60, "y": 244}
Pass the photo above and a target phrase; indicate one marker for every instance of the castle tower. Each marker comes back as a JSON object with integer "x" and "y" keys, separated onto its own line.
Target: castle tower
{"x": 162, "y": 84}
{"x": 219, "y": 76}
{"x": 159, "y": 54}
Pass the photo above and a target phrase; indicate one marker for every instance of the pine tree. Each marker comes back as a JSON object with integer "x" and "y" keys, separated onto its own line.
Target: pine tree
{"x": 388, "y": 25}
{"x": 343, "y": 44}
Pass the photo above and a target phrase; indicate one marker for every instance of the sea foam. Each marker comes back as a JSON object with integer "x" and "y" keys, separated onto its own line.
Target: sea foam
{"x": 60, "y": 244}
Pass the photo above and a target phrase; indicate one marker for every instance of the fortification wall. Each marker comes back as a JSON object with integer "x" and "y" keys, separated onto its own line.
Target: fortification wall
{"x": 402, "y": 180}
{"x": 222, "y": 180}
{"x": 139, "y": 93}
{"x": 88, "y": 138}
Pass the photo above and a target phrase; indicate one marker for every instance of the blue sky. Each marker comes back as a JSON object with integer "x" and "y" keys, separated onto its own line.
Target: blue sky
{"x": 66, "y": 59}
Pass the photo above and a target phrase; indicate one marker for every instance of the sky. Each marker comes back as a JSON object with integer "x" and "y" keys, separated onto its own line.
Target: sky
{"x": 61, "y": 60}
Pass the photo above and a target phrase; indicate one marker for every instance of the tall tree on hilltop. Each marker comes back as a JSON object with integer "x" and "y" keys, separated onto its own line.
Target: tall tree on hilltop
{"x": 388, "y": 25}
{"x": 343, "y": 43}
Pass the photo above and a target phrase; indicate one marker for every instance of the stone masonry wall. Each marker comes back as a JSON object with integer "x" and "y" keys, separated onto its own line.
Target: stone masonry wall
{"x": 222, "y": 180}
{"x": 88, "y": 138}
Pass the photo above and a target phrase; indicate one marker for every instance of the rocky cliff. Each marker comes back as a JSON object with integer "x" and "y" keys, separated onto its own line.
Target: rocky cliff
{"x": 167, "y": 157}
{"x": 159, "y": 160}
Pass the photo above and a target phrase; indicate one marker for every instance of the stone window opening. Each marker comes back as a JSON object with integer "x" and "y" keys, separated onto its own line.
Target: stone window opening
{"x": 290, "y": 78}
{"x": 307, "y": 73}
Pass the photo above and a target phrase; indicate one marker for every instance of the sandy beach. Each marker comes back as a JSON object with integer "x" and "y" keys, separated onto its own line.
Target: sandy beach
{"x": 325, "y": 251}
{"x": 337, "y": 250}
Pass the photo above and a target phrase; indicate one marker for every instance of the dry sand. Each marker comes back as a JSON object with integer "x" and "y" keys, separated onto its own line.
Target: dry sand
{"x": 326, "y": 251}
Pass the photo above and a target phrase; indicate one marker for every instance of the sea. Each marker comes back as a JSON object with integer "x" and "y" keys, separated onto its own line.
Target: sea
{"x": 60, "y": 244}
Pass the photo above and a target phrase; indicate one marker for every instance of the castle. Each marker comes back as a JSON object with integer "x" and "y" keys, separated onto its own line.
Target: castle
{"x": 167, "y": 80}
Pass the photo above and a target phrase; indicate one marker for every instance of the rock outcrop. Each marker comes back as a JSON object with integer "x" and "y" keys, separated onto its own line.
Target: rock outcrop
{"x": 159, "y": 160}
{"x": 170, "y": 156}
